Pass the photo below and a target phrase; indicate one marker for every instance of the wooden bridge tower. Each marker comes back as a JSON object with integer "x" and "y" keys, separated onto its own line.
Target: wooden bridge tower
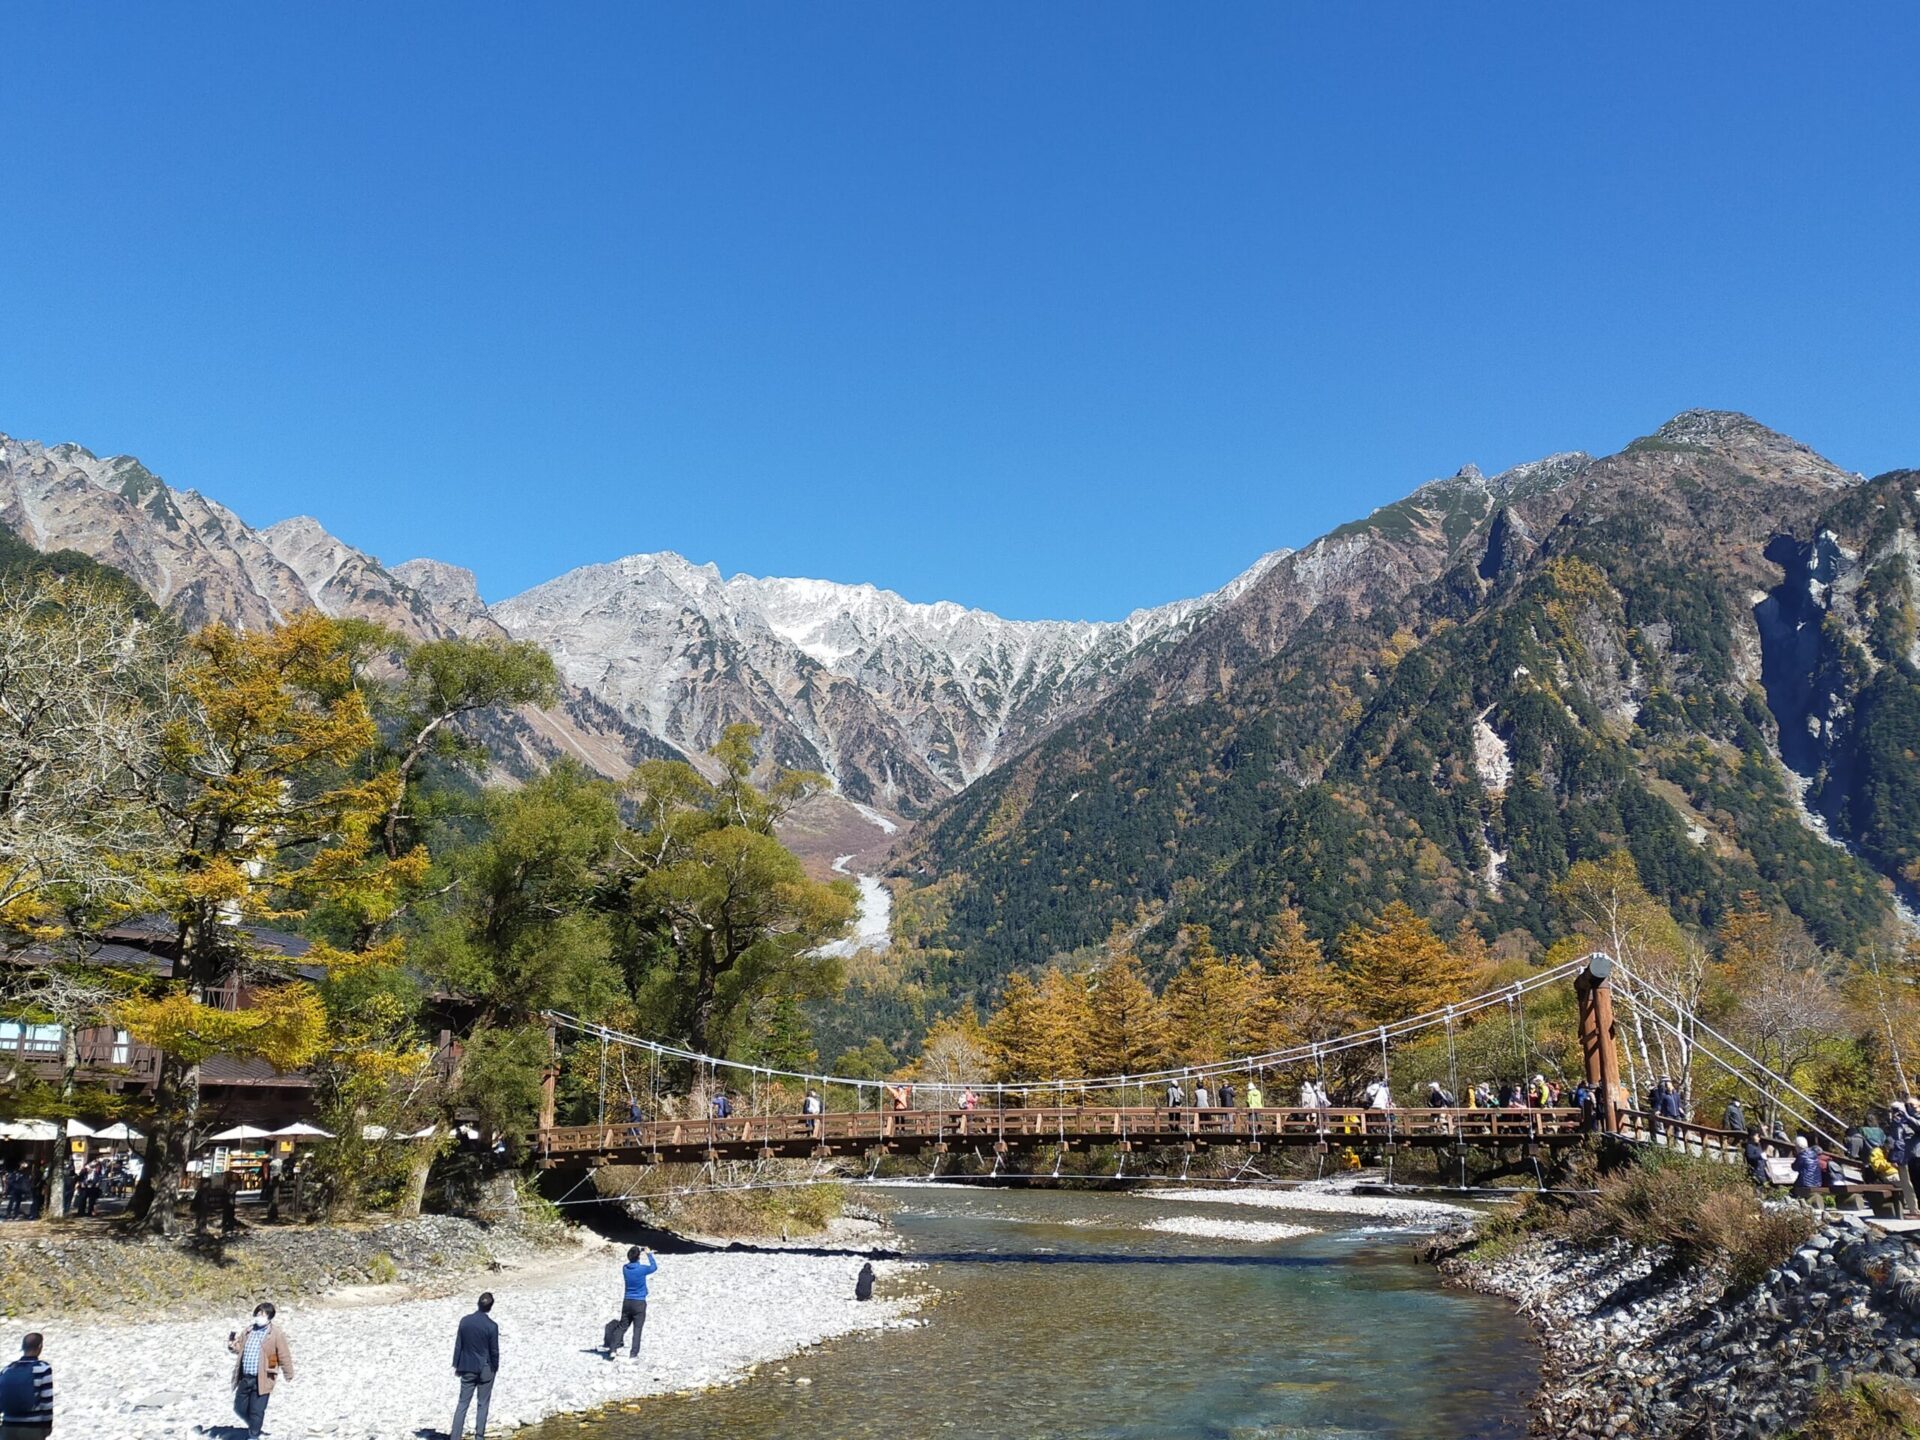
{"x": 1597, "y": 1040}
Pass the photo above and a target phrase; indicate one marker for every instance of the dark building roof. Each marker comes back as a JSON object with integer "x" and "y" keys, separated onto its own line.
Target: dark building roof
{"x": 230, "y": 1070}
{"x": 150, "y": 942}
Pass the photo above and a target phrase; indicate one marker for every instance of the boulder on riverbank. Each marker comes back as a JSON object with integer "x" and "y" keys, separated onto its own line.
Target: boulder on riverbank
{"x": 1638, "y": 1345}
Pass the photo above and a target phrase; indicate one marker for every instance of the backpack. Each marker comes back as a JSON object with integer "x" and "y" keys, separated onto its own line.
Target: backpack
{"x": 19, "y": 1396}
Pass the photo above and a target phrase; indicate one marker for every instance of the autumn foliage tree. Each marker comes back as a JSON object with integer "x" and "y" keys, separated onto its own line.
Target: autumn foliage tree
{"x": 263, "y": 811}
{"x": 1397, "y": 967}
{"x": 1218, "y": 1007}
{"x": 956, "y": 1052}
{"x": 1311, "y": 999}
{"x": 1127, "y": 1026}
{"x": 1039, "y": 1031}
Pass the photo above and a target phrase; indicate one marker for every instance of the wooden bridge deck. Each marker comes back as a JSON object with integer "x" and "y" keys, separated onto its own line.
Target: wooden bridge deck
{"x": 747, "y": 1137}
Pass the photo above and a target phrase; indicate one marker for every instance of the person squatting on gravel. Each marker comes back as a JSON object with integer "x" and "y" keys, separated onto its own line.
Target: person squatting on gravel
{"x": 264, "y": 1358}
{"x": 26, "y": 1394}
{"x": 476, "y": 1360}
{"x": 633, "y": 1303}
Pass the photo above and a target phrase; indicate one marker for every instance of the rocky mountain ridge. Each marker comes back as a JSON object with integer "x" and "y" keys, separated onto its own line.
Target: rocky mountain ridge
{"x": 1452, "y": 700}
{"x": 901, "y": 704}
{"x": 204, "y": 563}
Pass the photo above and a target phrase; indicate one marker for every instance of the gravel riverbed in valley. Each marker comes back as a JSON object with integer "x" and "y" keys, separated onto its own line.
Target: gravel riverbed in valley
{"x": 1322, "y": 1200}
{"x": 376, "y": 1368}
{"x": 1636, "y": 1347}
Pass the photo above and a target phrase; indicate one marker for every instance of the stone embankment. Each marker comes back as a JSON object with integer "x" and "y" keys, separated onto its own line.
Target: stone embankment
{"x": 1634, "y": 1349}
{"x": 47, "y": 1271}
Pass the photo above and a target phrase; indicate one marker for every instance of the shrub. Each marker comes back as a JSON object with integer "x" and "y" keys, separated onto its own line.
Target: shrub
{"x": 1707, "y": 1214}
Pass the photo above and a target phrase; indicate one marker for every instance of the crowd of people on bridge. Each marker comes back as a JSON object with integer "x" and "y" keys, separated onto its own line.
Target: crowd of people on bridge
{"x": 1539, "y": 1093}
{"x": 1194, "y": 1092}
{"x": 1878, "y": 1156}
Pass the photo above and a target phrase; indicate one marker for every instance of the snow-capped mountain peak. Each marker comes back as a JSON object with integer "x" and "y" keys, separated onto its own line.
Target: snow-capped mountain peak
{"x": 900, "y": 701}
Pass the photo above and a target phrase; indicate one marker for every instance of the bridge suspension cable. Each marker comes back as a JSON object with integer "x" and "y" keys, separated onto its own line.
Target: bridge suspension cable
{"x": 1689, "y": 1017}
{"x": 1313, "y": 1052}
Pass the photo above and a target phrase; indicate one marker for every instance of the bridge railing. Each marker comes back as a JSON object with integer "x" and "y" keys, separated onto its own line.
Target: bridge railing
{"x": 1707, "y": 1141}
{"x": 1092, "y": 1124}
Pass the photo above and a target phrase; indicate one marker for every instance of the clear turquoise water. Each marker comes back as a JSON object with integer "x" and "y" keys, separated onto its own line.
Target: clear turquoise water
{"x": 1061, "y": 1317}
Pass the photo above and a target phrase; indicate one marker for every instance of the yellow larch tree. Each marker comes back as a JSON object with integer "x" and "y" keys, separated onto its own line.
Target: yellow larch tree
{"x": 266, "y": 807}
{"x": 1396, "y": 967}
{"x": 1127, "y": 1027}
{"x": 1311, "y": 1003}
{"x": 1218, "y": 1006}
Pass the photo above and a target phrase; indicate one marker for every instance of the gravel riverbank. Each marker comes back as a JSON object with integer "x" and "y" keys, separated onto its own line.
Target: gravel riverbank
{"x": 373, "y": 1366}
{"x": 1323, "y": 1200}
{"x": 1635, "y": 1349}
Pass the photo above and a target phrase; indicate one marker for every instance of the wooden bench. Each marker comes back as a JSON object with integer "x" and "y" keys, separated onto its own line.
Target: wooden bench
{"x": 1880, "y": 1197}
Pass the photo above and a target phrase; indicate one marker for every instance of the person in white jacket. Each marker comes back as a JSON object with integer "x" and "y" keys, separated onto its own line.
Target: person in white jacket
{"x": 1379, "y": 1097}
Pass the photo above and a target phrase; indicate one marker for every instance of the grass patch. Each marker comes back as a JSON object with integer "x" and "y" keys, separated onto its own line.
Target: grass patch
{"x": 1707, "y": 1214}
{"x": 1870, "y": 1408}
{"x": 679, "y": 1197}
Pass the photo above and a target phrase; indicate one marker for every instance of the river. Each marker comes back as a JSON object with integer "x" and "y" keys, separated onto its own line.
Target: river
{"x": 1061, "y": 1316}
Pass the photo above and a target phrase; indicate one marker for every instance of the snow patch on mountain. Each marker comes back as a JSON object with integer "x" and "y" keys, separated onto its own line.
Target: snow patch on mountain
{"x": 899, "y": 702}
{"x": 1491, "y": 757}
{"x": 886, "y": 826}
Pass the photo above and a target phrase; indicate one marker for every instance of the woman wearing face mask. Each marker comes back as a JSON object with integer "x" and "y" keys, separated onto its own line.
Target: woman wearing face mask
{"x": 264, "y": 1357}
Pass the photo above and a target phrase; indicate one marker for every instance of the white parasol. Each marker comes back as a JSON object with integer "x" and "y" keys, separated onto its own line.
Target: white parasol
{"x": 238, "y": 1132}
{"x": 300, "y": 1130}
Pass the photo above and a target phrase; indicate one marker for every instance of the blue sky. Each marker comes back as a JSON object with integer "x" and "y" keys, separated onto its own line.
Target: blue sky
{"x": 1055, "y": 310}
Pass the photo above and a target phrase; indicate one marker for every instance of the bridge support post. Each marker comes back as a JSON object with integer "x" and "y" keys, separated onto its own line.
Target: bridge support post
{"x": 1598, "y": 1048}
{"x": 549, "y": 1084}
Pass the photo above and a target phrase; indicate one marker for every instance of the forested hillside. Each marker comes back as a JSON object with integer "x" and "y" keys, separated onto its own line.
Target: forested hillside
{"x": 1503, "y": 678}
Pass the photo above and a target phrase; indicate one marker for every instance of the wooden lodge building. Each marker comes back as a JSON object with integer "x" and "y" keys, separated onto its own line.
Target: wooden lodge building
{"x": 233, "y": 1090}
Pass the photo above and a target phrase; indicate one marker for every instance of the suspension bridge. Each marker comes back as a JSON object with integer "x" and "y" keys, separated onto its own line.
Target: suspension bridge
{"x": 1000, "y": 1130}
{"x": 874, "y": 1119}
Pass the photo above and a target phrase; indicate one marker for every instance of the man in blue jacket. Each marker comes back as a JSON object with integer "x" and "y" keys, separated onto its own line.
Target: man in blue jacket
{"x": 633, "y": 1303}
{"x": 476, "y": 1360}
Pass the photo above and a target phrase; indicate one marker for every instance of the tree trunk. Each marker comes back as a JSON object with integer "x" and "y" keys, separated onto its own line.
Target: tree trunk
{"x": 176, "y": 1103}
{"x": 69, "y": 1058}
{"x": 56, "y": 1206}
{"x": 414, "y": 1194}
{"x": 705, "y": 995}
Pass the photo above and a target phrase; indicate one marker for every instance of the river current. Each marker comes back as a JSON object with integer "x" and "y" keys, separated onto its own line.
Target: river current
{"x": 1061, "y": 1315}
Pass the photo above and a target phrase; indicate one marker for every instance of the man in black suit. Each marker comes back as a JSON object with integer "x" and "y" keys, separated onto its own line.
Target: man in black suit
{"x": 476, "y": 1359}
